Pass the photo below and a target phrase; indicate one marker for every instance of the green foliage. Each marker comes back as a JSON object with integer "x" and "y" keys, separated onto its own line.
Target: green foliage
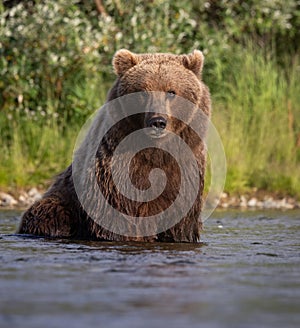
{"x": 55, "y": 67}
{"x": 262, "y": 20}
{"x": 46, "y": 50}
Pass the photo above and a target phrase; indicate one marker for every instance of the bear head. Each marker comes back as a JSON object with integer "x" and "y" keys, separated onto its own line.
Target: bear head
{"x": 170, "y": 79}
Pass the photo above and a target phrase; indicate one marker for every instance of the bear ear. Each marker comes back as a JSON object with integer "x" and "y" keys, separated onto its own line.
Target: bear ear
{"x": 123, "y": 60}
{"x": 194, "y": 62}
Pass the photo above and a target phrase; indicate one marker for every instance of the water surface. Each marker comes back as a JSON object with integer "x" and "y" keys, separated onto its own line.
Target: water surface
{"x": 246, "y": 274}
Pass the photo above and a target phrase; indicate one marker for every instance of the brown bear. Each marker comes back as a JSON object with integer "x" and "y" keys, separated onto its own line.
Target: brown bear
{"x": 86, "y": 192}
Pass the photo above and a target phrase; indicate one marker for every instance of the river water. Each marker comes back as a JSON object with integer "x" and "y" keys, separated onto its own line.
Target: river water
{"x": 245, "y": 274}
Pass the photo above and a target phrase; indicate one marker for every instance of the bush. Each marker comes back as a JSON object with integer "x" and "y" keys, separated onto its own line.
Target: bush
{"x": 55, "y": 67}
{"x": 49, "y": 61}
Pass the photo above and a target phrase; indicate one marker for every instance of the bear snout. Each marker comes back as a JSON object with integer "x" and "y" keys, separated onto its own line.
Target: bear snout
{"x": 158, "y": 122}
{"x": 156, "y": 125}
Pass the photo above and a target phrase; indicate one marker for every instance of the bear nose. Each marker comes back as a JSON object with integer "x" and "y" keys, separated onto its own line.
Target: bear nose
{"x": 157, "y": 123}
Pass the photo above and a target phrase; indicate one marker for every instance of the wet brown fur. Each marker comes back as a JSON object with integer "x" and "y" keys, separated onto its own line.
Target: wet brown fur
{"x": 59, "y": 212}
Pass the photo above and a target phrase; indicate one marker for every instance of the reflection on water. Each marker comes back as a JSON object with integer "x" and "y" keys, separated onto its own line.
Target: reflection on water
{"x": 245, "y": 274}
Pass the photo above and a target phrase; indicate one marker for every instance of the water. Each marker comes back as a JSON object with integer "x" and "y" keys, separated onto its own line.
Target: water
{"x": 246, "y": 274}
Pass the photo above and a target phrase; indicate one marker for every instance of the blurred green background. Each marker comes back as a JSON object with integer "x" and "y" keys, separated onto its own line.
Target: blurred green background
{"x": 55, "y": 69}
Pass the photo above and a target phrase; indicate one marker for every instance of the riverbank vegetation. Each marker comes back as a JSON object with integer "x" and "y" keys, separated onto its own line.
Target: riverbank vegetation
{"x": 55, "y": 68}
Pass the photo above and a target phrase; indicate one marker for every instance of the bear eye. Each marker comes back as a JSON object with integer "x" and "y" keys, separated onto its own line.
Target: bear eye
{"x": 171, "y": 94}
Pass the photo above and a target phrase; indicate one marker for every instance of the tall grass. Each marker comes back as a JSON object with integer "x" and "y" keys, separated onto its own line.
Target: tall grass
{"x": 34, "y": 153}
{"x": 257, "y": 114}
{"x": 37, "y": 145}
